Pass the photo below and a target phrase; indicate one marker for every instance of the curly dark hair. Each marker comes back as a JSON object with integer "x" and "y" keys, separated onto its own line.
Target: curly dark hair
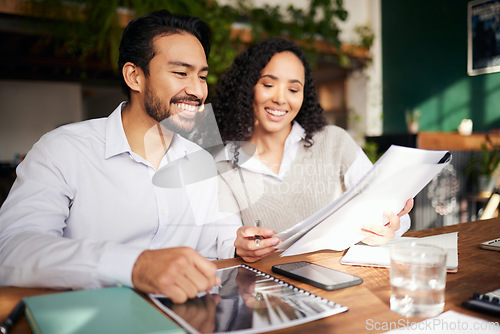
{"x": 233, "y": 102}
{"x": 137, "y": 46}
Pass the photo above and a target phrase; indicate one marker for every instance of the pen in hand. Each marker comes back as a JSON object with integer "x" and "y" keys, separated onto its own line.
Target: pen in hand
{"x": 257, "y": 238}
{"x": 12, "y": 318}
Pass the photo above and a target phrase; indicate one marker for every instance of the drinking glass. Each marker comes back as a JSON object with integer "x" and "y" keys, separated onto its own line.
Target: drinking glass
{"x": 418, "y": 279}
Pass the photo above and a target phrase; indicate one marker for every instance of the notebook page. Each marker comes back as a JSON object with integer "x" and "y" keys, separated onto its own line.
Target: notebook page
{"x": 379, "y": 255}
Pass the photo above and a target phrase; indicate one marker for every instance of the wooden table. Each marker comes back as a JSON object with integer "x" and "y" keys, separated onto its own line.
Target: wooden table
{"x": 369, "y": 311}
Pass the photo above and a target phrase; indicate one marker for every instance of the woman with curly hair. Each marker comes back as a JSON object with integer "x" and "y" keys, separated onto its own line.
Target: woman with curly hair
{"x": 281, "y": 162}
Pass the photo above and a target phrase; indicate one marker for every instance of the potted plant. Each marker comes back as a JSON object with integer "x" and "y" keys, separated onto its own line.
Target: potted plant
{"x": 412, "y": 118}
{"x": 481, "y": 167}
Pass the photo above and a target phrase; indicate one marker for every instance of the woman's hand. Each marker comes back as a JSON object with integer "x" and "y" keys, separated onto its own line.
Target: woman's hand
{"x": 377, "y": 234}
{"x": 250, "y": 248}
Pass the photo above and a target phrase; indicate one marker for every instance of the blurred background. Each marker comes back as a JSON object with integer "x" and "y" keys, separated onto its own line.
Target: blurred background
{"x": 388, "y": 71}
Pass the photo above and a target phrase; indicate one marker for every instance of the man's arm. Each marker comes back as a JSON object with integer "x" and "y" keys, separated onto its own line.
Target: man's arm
{"x": 35, "y": 253}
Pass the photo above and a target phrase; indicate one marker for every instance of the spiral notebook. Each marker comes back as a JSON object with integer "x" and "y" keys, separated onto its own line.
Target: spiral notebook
{"x": 248, "y": 301}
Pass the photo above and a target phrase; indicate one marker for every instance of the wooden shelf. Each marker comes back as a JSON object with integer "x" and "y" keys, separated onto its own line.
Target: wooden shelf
{"x": 454, "y": 141}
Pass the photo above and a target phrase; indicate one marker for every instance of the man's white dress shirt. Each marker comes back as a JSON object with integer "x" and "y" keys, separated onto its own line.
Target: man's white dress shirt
{"x": 83, "y": 207}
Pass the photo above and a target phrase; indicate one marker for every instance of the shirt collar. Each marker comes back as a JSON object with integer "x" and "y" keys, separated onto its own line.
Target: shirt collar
{"x": 117, "y": 143}
{"x": 226, "y": 154}
{"x": 296, "y": 134}
{"x": 292, "y": 143}
{"x": 294, "y": 137}
{"x": 116, "y": 140}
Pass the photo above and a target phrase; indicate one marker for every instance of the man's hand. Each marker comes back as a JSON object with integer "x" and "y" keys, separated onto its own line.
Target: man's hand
{"x": 377, "y": 234}
{"x": 178, "y": 273}
{"x": 246, "y": 247}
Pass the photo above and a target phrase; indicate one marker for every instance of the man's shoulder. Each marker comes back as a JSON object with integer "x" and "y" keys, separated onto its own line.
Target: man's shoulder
{"x": 74, "y": 137}
{"x": 92, "y": 129}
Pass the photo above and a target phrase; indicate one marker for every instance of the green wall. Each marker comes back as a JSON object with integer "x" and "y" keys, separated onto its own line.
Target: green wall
{"x": 424, "y": 49}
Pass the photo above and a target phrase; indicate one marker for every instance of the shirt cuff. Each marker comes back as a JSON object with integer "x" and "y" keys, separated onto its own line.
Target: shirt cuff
{"x": 117, "y": 262}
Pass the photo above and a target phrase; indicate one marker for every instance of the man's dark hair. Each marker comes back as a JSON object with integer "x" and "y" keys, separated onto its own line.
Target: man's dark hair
{"x": 233, "y": 104}
{"x": 137, "y": 45}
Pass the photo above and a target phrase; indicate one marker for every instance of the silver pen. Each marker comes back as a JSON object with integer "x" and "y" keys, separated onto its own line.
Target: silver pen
{"x": 257, "y": 238}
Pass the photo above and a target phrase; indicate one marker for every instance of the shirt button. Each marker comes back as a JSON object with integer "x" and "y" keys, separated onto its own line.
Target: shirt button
{"x": 162, "y": 212}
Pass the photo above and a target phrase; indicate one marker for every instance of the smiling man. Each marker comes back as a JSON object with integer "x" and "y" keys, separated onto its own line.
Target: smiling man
{"x": 84, "y": 212}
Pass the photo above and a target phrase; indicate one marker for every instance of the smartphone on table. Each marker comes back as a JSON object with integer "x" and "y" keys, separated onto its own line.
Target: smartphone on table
{"x": 316, "y": 275}
{"x": 491, "y": 245}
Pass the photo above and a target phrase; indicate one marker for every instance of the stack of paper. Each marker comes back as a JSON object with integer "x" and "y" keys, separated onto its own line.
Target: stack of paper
{"x": 397, "y": 176}
{"x": 378, "y": 256}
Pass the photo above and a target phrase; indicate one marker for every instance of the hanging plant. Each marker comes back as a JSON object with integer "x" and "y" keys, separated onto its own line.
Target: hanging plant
{"x": 94, "y": 27}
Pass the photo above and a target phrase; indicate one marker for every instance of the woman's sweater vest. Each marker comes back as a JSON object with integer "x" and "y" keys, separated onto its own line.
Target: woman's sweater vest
{"x": 315, "y": 178}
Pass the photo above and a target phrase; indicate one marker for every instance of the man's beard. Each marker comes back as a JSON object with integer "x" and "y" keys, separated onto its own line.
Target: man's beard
{"x": 161, "y": 113}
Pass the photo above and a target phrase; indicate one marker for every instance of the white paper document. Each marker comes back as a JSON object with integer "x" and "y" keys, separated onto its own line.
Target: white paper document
{"x": 397, "y": 176}
{"x": 378, "y": 256}
{"x": 450, "y": 322}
